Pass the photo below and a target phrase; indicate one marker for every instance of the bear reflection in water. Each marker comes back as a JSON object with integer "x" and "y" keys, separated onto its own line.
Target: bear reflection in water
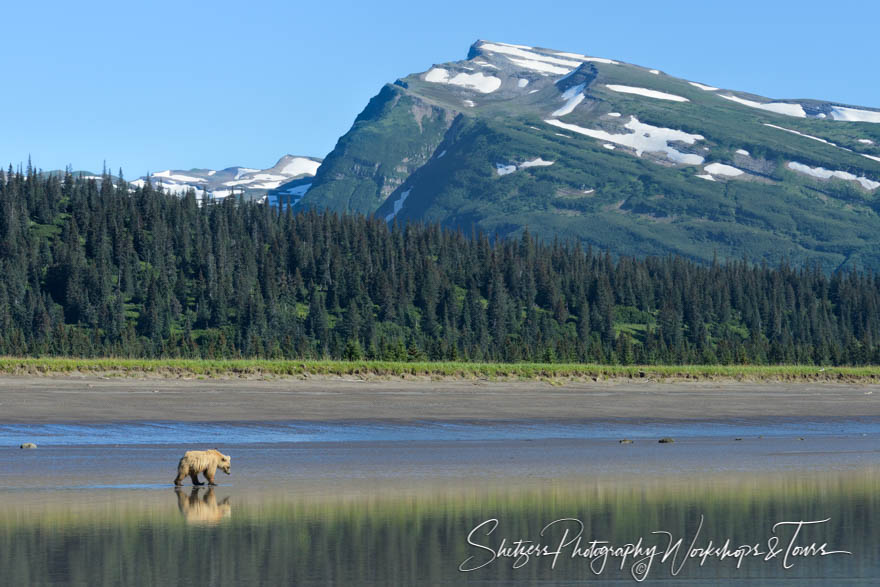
{"x": 204, "y": 510}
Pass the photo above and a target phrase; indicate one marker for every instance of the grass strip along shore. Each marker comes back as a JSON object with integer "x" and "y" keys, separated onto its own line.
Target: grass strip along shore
{"x": 257, "y": 368}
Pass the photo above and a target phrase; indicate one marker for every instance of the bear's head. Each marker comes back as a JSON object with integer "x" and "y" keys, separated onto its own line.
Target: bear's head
{"x": 225, "y": 464}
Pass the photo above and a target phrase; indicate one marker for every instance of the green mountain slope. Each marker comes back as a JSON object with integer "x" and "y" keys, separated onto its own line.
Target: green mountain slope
{"x": 367, "y": 164}
{"x": 614, "y": 155}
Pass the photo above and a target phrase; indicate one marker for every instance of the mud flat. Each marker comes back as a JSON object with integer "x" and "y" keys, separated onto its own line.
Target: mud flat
{"x": 40, "y": 399}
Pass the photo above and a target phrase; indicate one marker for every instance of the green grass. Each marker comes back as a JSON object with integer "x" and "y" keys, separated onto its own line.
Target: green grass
{"x": 453, "y": 370}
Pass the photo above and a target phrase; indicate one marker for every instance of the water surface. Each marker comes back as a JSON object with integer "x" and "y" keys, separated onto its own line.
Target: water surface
{"x": 395, "y": 502}
{"x": 243, "y": 432}
{"x": 224, "y": 537}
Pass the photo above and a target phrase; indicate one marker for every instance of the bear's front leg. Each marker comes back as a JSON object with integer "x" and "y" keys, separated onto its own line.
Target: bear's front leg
{"x": 210, "y": 477}
{"x": 195, "y": 478}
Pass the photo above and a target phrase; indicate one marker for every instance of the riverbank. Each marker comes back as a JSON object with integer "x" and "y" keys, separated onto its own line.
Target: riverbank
{"x": 383, "y": 370}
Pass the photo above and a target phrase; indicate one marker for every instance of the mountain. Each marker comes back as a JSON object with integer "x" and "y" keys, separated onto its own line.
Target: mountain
{"x": 251, "y": 183}
{"x": 614, "y": 155}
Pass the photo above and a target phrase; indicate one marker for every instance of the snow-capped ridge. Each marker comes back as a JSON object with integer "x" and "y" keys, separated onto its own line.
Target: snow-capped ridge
{"x": 221, "y": 183}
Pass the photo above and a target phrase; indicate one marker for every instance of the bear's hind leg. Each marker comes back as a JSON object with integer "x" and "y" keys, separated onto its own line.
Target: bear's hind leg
{"x": 195, "y": 478}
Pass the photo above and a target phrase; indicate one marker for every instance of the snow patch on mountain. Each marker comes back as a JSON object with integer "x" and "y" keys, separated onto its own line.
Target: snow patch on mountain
{"x": 262, "y": 181}
{"x": 240, "y": 171}
{"x": 178, "y": 177}
{"x": 854, "y": 115}
{"x": 572, "y": 96}
{"x": 295, "y": 194}
{"x": 800, "y": 134}
{"x": 480, "y": 82}
{"x": 522, "y": 82}
{"x": 646, "y": 92}
{"x": 536, "y": 163}
{"x": 513, "y": 45}
{"x": 743, "y": 152}
{"x": 866, "y": 141}
{"x": 529, "y": 54}
{"x": 504, "y": 169}
{"x": 580, "y": 57}
{"x": 643, "y": 138}
{"x": 299, "y": 190}
{"x": 703, "y": 87}
{"x": 724, "y": 170}
{"x": 299, "y": 166}
{"x": 398, "y": 205}
{"x": 539, "y": 66}
{"x": 822, "y": 173}
{"x": 795, "y": 110}
{"x": 551, "y": 62}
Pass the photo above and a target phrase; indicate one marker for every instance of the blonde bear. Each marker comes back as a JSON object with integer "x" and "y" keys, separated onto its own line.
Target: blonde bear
{"x": 202, "y": 461}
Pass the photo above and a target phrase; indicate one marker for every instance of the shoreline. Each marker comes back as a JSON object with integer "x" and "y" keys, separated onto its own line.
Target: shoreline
{"x": 557, "y": 373}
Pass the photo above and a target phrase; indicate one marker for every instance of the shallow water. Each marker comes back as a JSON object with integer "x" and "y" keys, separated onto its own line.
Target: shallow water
{"x": 393, "y": 503}
{"x": 219, "y": 537}
{"x": 159, "y": 432}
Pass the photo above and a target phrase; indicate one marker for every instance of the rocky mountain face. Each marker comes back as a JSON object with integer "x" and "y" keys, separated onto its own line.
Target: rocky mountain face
{"x": 244, "y": 181}
{"x": 614, "y": 155}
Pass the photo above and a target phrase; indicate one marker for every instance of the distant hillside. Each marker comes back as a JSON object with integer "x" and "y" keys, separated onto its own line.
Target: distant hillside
{"x": 244, "y": 181}
{"x": 614, "y": 155}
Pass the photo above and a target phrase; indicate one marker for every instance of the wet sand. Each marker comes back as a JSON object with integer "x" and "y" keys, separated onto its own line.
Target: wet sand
{"x": 393, "y": 468}
{"x": 224, "y": 413}
{"x": 40, "y": 399}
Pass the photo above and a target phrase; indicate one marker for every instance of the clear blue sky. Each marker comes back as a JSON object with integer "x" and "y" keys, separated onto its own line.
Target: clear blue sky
{"x": 156, "y": 85}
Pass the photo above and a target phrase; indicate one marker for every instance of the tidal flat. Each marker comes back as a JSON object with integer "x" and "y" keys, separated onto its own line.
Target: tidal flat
{"x": 379, "y": 483}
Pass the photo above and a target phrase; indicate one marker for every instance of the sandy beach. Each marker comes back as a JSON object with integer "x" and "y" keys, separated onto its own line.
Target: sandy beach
{"x": 35, "y": 399}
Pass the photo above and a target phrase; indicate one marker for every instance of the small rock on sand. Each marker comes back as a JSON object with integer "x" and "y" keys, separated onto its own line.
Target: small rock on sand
{"x": 28, "y": 445}
{"x": 666, "y": 440}
{"x": 625, "y": 441}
